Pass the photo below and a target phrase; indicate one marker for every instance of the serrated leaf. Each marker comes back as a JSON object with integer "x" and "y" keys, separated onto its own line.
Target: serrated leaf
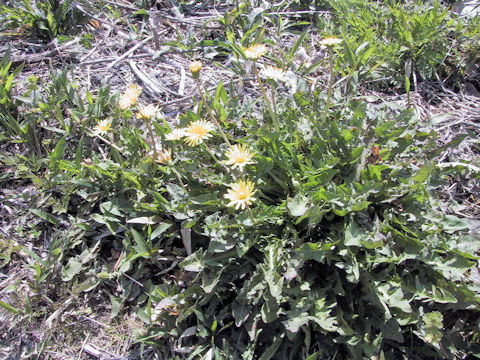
{"x": 176, "y": 192}
{"x": 296, "y": 320}
{"x": 72, "y": 268}
{"x": 240, "y": 313}
{"x": 270, "y": 308}
{"x": 111, "y": 208}
{"x": 391, "y": 330}
{"x": 206, "y": 199}
{"x": 210, "y": 279}
{"x": 423, "y": 174}
{"x": 141, "y": 246}
{"x": 298, "y": 206}
{"x": 393, "y": 297}
{"x": 453, "y": 223}
{"x": 143, "y": 315}
{"x": 314, "y": 251}
{"x": 194, "y": 262}
{"x": 354, "y": 234}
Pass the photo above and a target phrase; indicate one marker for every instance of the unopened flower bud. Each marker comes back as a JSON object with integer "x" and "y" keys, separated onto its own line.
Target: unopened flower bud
{"x": 195, "y": 68}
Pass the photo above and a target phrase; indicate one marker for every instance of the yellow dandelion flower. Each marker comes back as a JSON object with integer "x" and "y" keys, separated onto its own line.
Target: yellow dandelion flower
{"x": 198, "y": 131}
{"x": 130, "y": 96}
{"x": 195, "y": 68}
{"x": 238, "y": 156}
{"x": 241, "y": 194}
{"x": 176, "y": 134}
{"x": 147, "y": 112}
{"x": 164, "y": 156}
{"x": 255, "y": 51}
{"x": 102, "y": 127}
{"x": 272, "y": 72}
{"x": 331, "y": 41}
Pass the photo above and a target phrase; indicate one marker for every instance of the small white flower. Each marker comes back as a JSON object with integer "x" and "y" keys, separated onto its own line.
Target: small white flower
{"x": 272, "y": 72}
{"x": 130, "y": 96}
{"x": 255, "y": 51}
{"x": 241, "y": 194}
{"x": 176, "y": 134}
{"x": 198, "y": 131}
{"x": 331, "y": 41}
{"x": 238, "y": 156}
{"x": 102, "y": 127}
{"x": 195, "y": 68}
{"x": 147, "y": 112}
{"x": 163, "y": 156}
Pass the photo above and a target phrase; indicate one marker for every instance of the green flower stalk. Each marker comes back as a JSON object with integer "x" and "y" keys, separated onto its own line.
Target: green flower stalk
{"x": 330, "y": 42}
{"x": 195, "y": 68}
{"x": 265, "y": 97}
{"x": 255, "y": 52}
{"x": 146, "y": 113}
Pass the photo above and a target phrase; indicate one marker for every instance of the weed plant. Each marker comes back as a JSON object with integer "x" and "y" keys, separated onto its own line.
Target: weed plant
{"x": 7, "y": 106}
{"x": 296, "y": 225}
{"x": 43, "y": 19}
{"x": 416, "y": 41}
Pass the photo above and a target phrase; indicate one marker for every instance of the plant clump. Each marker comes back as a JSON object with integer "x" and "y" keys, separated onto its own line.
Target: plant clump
{"x": 287, "y": 212}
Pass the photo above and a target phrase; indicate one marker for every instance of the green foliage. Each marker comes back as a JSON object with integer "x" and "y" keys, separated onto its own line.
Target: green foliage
{"x": 7, "y": 105}
{"x": 344, "y": 248}
{"x": 416, "y": 40}
{"x": 341, "y": 248}
{"x": 45, "y": 19}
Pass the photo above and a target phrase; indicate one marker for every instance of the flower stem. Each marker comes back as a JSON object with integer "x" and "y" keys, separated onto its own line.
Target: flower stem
{"x": 150, "y": 131}
{"x": 210, "y": 112}
{"x": 218, "y": 162}
{"x": 330, "y": 80}
{"x": 110, "y": 143}
{"x": 213, "y": 155}
{"x": 274, "y": 103}
{"x": 269, "y": 105}
{"x": 251, "y": 215}
{"x": 177, "y": 174}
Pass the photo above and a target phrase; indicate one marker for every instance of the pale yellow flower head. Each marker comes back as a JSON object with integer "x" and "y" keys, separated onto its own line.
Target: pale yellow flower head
{"x": 241, "y": 194}
{"x": 195, "y": 68}
{"x": 272, "y": 72}
{"x": 102, "y": 127}
{"x": 331, "y": 41}
{"x": 147, "y": 112}
{"x": 198, "y": 131}
{"x": 255, "y": 51}
{"x": 238, "y": 156}
{"x": 130, "y": 96}
{"x": 176, "y": 134}
{"x": 164, "y": 156}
